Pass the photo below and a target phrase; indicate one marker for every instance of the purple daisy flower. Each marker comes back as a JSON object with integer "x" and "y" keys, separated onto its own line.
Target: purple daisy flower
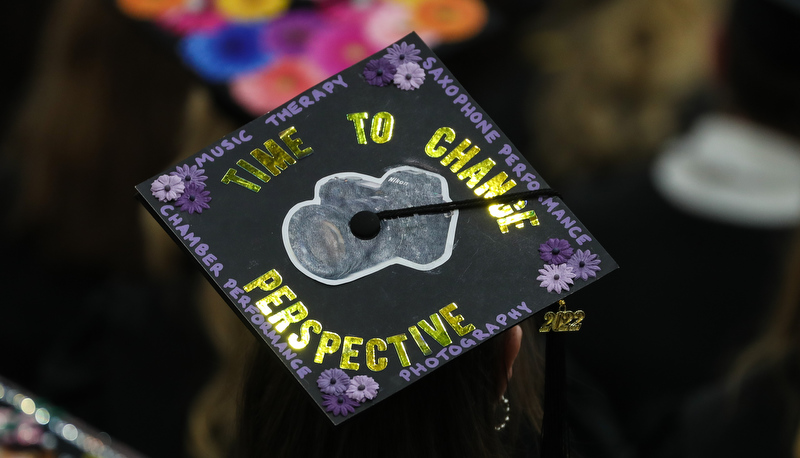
{"x": 190, "y": 174}
{"x": 409, "y": 76}
{"x": 584, "y": 264}
{"x": 379, "y": 72}
{"x": 333, "y": 381}
{"x": 556, "y": 277}
{"x": 339, "y": 404}
{"x": 362, "y": 387}
{"x": 167, "y": 188}
{"x": 194, "y": 199}
{"x": 402, "y": 53}
{"x": 555, "y": 251}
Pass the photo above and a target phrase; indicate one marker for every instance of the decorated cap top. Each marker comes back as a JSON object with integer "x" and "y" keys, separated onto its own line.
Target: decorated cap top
{"x": 358, "y": 308}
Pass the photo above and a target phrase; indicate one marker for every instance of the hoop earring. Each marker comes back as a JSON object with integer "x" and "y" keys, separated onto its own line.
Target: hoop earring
{"x": 505, "y": 414}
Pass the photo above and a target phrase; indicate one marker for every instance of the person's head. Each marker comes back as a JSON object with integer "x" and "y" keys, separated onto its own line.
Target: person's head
{"x": 758, "y": 62}
{"x": 451, "y": 412}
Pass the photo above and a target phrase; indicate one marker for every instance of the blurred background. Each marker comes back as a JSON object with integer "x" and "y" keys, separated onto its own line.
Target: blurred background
{"x": 669, "y": 126}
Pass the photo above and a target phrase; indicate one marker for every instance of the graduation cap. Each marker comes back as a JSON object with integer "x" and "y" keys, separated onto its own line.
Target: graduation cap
{"x": 374, "y": 228}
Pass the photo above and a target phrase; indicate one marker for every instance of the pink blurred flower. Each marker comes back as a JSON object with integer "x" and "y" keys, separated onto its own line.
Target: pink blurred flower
{"x": 339, "y": 47}
{"x": 276, "y": 84}
{"x": 387, "y": 23}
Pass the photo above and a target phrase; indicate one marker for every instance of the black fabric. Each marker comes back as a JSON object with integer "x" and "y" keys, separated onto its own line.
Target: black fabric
{"x": 689, "y": 295}
{"x": 121, "y": 354}
{"x": 757, "y": 417}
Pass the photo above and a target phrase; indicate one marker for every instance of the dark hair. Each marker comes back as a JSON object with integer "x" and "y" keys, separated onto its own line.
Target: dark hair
{"x": 760, "y": 62}
{"x": 103, "y": 109}
{"x": 451, "y": 412}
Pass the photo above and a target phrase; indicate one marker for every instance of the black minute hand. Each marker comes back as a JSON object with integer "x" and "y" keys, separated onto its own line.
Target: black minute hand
{"x": 366, "y": 224}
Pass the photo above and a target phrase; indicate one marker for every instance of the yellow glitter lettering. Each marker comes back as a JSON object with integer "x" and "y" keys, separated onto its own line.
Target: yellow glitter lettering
{"x": 358, "y": 122}
{"x": 423, "y": 346}
{"x": 382, "y": 127}
{"x": 437, "y": 330}
{"x": 376, "y": 364}
{"x": 276, "y": 160}
{"x": 400, "y": 348}
{"x": 294, "y": 143}
{"x": 230, "y": 177}
{"x": 328, "y": 344}
{"x": 348, "y": 352}
{"x": 496, "y": 186}
{"x": 443, "y": 132}
{"x": 455, "y": 321}
{"x": 266, "y": 282}
{"x": 476, "y": 172}
{"x": 517, "y": 220}
{"x": 253, "y": 170}
{"x": 298, "y": 343}
{"x": 294, "y": 313}
{"x": 460, "y": 156}
{"x": 274, "y": 298}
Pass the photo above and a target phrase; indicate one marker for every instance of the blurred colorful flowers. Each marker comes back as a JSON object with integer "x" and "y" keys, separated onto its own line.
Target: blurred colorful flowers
{"x": 266, "y": 51}
{"x": 266, "y": 89}
{"x": 224, "y": 53}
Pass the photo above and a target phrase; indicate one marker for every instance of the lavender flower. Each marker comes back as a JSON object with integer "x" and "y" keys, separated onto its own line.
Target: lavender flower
{"x": 333, "y": 381}
{"x": 362, "y": 387}
{"x": 379, "y": 72}
{"x": 555, "y": 251}
{"x": 194, "y": 199}
{"x": 409, "y": 76}
{"x": 339, "y": 404}
{"x": 190, "y": 174}
{"x": 167, "y": 188}
{"x": 556, "y": 277}
{"x": 584, "y": 264}
{"x": 402, "y": 53}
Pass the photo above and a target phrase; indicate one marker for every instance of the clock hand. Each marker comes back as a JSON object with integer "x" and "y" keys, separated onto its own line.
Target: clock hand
{"x": 366, "y": 224}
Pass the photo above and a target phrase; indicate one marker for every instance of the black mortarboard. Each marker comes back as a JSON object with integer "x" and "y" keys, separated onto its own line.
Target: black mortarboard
{"x": 359, "y": 308}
